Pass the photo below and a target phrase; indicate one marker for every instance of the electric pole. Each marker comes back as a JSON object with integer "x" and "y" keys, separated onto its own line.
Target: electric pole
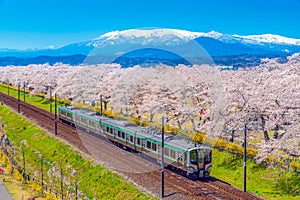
{"x": 50, "y": 99}
{"x": 24, "y": 91}
{"x": 55, "y": 114}
{"x": 101, "y": 104}
{"x": 19, "y": 93}
{"x": 245, "y": 155}
{"x": 162, "y": 157}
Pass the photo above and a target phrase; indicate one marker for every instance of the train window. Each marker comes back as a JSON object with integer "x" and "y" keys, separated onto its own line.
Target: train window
{"x": 107, "y": 129}
{"x": 138, "y": 141}
{"x": 131, "y": 138}
{"x": 111, "y": 131}
{"x": 180, "y": 157}
{"x": 207, "y": 158}
{"x": 193, "y": 157}
{"x": 153, "y": 147}
{"x": 172, "y": 153}
{"x": 123, "y": 135}
{"x": 148, "y": 145}
{"x": 167, "y": 152}
{"x": 83, "y": 120}
{"x": 119, "y": 133}
{"x": 91, "y": 123}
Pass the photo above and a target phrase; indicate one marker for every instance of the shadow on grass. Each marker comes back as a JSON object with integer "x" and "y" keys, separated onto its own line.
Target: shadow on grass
{"x": 231, "y": 163}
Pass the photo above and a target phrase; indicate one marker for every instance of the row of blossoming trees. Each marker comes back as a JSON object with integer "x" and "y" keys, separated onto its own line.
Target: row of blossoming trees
{"x": 194, "y": 99}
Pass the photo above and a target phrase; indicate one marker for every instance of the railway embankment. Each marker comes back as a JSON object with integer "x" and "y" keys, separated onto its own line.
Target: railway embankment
{"x": 261, "y": 180}
{"x": 53, "y": 168}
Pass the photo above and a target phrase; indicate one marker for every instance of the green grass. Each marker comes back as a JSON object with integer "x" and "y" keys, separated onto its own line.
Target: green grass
{"x": 94, "y": 180}
{"x": 34, "y": 100}
{"x": 260, "y": 180}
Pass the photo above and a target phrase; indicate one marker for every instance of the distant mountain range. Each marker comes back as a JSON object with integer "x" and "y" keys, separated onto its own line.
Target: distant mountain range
{"x": 169, "y": 46}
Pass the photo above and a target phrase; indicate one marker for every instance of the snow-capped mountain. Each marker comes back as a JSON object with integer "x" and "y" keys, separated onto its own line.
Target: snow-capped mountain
{"x": 267, "y": 38}
{"x": 219, "y": 44}
{"x": 153, "y": 37}
{"x": 216, "y": 44}
{"x": 176, "y": 36}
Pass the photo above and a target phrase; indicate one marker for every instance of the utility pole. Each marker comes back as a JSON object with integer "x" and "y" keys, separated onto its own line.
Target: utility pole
{"x": 101, "y": 104}
{"x": 19, "y": 93}
{"x": 42, "y": 171}
{"x": 61, "y": 182}
{"x": 24, "y": 172}
{"x": 24, "y": 91}
{"x": 8, "y": 88}
{"x": 76, "y": 190}
{"x": 245, "y": 155}
{"x": 162, "y": 157}
{"x": 55, "y": 114}
{"x": 50, "y": 99}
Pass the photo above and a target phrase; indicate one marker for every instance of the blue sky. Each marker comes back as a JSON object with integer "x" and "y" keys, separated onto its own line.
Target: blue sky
{"x": 37, "y": 23}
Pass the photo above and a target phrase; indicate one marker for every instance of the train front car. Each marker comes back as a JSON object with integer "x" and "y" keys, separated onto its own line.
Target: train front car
{"x": 199, "y": 162}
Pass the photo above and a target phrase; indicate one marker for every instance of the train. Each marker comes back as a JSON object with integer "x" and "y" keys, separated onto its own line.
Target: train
{"x": 189, "y": 159}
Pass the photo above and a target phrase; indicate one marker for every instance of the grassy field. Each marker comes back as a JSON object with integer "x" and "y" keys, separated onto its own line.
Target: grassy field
{"x": 94, "y": 180}
{"x": 260, "y": 180}
{"x": 34, "y": 100}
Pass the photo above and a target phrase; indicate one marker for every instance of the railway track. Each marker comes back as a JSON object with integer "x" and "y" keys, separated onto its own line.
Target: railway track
{"x": 176, "y": 186}
{"x": 45, "y": 120}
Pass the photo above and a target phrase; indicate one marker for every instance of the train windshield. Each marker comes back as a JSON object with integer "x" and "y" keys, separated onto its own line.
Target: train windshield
{"x": 193, "y": 157}
{"x": 197, "y": 157}
{"x": 207, "y": 157}
{"x": 200, "y": 157}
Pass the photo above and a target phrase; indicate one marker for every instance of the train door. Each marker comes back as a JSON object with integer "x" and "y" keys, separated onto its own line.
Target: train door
{"x": 180, "y": 159}
{"x": 208, "y": 159}
{"x": 143, "y": 143}
{"x": 194, "y": 159}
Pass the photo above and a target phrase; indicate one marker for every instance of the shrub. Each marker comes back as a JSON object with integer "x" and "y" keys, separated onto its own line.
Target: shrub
{"x": 289, "y": 183}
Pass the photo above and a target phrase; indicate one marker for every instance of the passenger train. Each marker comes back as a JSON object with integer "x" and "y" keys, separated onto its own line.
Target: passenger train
{"x": 191, "y": 160}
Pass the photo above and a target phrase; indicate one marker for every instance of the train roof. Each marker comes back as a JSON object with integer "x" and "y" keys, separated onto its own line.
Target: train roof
{"x": 149, "y": 133}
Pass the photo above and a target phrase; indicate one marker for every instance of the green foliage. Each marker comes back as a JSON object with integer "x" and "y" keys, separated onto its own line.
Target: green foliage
{"x": 261, "y": 180}
{"x": 289, "y": 183}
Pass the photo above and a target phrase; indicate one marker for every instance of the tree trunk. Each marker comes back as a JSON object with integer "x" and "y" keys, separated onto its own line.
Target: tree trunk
{"x": 179, "y": 124}
{"x": 193, "y": 123}
{"x": 232, "y": 136}
{"x": 275, "y": 136}
{"x": 263, "y": 122}
{"x": 105, "y": 105}
{"x": 151, "y": 116}
{"x": 266, "y": 135}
